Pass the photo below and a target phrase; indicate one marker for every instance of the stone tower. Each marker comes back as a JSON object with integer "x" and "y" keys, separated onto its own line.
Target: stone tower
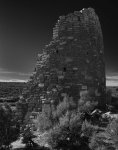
{"x": 72, "y": 62}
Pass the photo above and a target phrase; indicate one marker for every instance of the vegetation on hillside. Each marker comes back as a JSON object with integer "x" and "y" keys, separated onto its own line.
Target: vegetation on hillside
{"x": 11, "y": 89}
{"x": 66, "y": 126}
{"x": 9, "y": 127}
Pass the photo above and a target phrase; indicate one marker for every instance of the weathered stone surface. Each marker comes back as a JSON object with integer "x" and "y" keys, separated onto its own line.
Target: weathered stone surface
{"x": 73, "y": 61}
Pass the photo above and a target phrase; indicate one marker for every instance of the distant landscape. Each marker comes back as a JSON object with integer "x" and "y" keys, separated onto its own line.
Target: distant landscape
{"x": 114, "y": 90}
{"x": 11, "y": 91}
{"x": 14, "y": 89}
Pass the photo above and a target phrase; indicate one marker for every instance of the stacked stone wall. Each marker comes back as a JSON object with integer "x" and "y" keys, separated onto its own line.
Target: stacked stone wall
{"x": 72, "y": 62}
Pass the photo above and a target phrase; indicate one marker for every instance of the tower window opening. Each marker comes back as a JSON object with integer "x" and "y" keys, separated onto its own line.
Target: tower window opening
{"x": 79, "y": 19}
{"x": 64, "y": 69}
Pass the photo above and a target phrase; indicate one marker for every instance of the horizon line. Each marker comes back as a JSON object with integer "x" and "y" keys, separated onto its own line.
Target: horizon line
{"x": 108, "y": 82}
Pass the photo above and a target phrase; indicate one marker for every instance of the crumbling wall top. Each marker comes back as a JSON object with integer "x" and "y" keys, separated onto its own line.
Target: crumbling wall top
{"x": 74, "y": 21}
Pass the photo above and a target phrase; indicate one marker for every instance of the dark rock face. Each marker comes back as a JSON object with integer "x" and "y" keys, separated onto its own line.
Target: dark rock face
{"x": 73, "y": 61}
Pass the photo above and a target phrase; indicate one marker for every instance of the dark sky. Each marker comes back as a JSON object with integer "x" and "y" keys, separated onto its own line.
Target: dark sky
{"x": 26, "y": 27}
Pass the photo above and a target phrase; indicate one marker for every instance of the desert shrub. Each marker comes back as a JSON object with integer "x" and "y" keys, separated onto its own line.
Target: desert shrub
{"x": 107, "y": 139}
{"x": 48, "y": 120}
{"x": 88, "y": 129}
{"x": 66, "y": 104}
{"x": 65, "y": 134}
{"x": 112, "y": 132}
{"x": 44, "y": 122}
{"x": 71, "y": 130}
{"x": 28, "y": 136}
{"x": 87, "y": 102}
{"x": 100, "y": 141}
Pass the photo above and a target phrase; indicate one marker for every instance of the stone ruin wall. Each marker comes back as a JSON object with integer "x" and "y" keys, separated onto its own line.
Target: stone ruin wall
{"x": 72, "y": 62}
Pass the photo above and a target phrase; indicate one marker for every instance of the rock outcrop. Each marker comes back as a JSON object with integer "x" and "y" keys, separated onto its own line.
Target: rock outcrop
{"x": 72, "y": 62}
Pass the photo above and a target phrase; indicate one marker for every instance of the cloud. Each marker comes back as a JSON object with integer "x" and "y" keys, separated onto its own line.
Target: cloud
{"x": 112, "y": 77}
{"x": 112, "y": 80}
{"x": 24, "y": 74}
{"x": 111, "y": 83}
{"x": 12, "y": 76}
{"x": 2, "y": 71}
{"x": 13, "y": 80}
